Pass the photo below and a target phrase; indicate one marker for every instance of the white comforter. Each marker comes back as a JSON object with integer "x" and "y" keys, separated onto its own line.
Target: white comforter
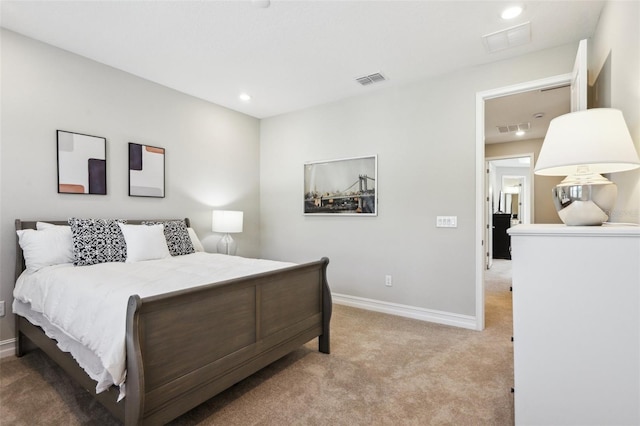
{"x": 89, "y": 303}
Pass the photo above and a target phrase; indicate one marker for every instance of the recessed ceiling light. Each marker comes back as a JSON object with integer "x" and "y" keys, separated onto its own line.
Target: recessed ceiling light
{"x": 511, "y": 12}
{"x": 245, "y": 97}
{"x": 520, "y": 133}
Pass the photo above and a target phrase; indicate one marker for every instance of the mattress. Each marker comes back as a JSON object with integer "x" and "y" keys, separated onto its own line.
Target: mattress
{"x": 84, "y": 307}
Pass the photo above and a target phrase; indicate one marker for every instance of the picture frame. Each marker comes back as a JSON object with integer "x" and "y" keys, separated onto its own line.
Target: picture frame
{"x": 82, "y": 163}
{"x": 346, "y": 186}
{"x": 146, "y": 171}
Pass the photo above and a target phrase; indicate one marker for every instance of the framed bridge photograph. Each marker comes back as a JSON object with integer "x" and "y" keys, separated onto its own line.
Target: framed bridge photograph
{"x": 347, "y": 186}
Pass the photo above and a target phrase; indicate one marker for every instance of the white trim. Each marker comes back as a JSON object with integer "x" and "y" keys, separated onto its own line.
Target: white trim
{"x": 480, "y": 165}
{"x": 422, "y": 314}
{"x": 480, "y": 204}
{"x": 7, "y": 348}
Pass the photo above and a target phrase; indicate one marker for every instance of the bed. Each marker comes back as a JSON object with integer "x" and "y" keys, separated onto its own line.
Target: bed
{"x": 185, "y": 346}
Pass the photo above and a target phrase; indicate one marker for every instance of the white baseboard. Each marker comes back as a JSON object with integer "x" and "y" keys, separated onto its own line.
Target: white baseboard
{"x": 7, "y": 348}
{"x": 429, "y": 315}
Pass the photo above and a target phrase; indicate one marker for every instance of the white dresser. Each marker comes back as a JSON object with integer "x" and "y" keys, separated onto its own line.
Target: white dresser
{"x": 576, "y": 320}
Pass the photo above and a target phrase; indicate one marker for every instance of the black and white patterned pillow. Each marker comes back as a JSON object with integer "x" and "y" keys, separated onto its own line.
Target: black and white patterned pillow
{"x": 97, "y": 241}
{"x": 177, "y": 236}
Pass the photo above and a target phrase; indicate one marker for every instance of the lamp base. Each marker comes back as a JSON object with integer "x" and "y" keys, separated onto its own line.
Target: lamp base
{"x": 585, "y": 203}
{"x": 227, "y": 245}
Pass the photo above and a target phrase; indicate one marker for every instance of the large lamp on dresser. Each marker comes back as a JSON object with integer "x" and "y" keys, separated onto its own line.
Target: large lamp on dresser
{"x": 582, "y": 145}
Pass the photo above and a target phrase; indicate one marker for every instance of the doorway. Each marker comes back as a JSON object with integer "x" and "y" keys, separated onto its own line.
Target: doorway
{"x": 577, "y": 80}
{"x": 482, "y": 211}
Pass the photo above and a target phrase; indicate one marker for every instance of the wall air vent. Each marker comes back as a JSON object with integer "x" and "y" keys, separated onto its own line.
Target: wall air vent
{"x": 370, "y": 79}
{"x": 508, "y": 128}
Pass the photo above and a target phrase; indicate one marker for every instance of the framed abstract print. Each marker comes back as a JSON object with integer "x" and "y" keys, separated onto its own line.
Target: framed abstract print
{"x": 146, "y": 171}
{"x": 82, "y": 163}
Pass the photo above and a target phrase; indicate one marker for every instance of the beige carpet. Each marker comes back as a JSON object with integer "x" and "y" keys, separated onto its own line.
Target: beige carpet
{"x": 383, "y": 370}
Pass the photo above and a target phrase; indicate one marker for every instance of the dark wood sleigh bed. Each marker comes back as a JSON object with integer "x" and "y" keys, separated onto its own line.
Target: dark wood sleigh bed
{"x": 186, "y": 346}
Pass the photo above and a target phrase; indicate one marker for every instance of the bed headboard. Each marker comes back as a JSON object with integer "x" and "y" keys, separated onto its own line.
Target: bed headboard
{"x": 31, "y": 224}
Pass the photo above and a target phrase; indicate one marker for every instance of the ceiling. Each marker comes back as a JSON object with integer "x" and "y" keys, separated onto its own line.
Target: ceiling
{"x": 524, "y": 110}
{"x": 293, "y": 54}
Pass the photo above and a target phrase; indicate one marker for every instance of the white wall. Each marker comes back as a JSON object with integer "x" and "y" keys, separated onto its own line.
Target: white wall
{"x": 618, "y": 35}
{"x": 212, "y": 153}
{"x": 424, "y": 135}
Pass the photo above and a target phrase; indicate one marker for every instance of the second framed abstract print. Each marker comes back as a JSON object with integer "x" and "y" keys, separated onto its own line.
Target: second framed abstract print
{"x": 146, "y": 171}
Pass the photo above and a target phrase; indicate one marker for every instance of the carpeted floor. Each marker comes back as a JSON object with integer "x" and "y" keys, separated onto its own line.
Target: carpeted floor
{"x": 383, "y": 370}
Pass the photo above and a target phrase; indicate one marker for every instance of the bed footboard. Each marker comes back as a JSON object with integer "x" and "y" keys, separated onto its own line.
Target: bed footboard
{"x": 187, "y": 346}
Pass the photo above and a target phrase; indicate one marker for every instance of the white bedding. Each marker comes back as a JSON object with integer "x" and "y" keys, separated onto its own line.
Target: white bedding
{"x": 89, "y": 303}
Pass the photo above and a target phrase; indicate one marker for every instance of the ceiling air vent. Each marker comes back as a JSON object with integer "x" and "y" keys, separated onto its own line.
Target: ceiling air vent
{"x": 508, "y": 128}
{"x": 511, "y": 37}
{"x": 370, "y": 79}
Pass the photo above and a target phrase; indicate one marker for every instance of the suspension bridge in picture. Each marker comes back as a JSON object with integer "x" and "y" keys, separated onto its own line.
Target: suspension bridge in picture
{"x": 349, "y": 200}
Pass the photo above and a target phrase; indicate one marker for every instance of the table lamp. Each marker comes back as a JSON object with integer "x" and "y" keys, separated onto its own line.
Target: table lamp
{"x": 581, "y": 145}
{"x": 227, "y": 222}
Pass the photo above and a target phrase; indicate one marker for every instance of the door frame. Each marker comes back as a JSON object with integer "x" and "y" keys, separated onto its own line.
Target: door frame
{"x": 543, "y": 83}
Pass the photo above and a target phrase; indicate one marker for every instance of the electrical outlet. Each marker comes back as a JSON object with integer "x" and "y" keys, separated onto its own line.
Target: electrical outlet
{"x": 388, "y": 281}
{"x": 1, "y": 308}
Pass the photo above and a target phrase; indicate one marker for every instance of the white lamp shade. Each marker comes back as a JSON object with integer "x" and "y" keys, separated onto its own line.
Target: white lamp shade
{"x": 226, "y": 221}
{"x": 598, "y": 138}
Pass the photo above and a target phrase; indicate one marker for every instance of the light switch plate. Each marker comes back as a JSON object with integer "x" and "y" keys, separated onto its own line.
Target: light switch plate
{"x": 446, "y": 221}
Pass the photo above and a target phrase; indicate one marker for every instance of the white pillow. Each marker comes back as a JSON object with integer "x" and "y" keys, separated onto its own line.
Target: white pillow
{"x": 197, "y": 245}
{"x": 50, "y": 246}
{"x": 46, "y": 225}
{"x": 144, "y": 242}
{"x": 65, "y": 245}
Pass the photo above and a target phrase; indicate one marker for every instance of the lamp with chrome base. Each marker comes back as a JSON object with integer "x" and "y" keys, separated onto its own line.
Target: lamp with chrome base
{"x": 227, "y": 222}
{"x": 581, "y": 145}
